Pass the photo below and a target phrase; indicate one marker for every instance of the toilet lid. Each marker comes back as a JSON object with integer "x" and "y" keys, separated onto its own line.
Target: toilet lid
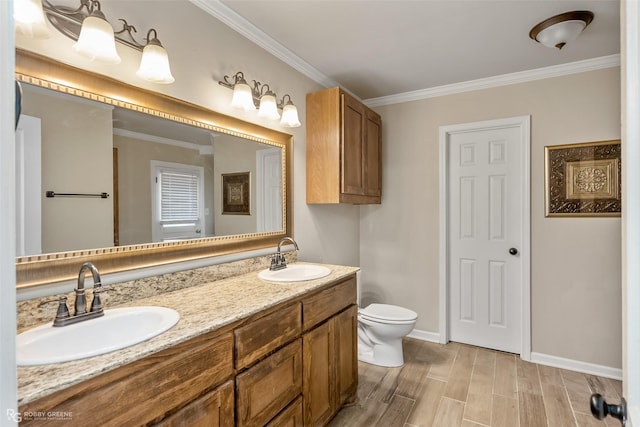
{"x": 388, "y": 312}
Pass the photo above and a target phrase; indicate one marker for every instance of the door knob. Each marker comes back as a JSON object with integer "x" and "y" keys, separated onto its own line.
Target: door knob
{"x": 600, "y": 408}
{"x": 513, "y": 251}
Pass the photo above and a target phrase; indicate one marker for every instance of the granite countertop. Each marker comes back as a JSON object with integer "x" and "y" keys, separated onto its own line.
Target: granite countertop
{"x": 202, "y": 309}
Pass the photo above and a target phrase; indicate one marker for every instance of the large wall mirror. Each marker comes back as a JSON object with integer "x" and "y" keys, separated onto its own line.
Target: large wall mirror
{"x": 127, "y": 178}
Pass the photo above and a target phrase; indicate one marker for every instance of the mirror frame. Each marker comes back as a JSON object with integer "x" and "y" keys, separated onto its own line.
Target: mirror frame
{"x": 43, "y": 269}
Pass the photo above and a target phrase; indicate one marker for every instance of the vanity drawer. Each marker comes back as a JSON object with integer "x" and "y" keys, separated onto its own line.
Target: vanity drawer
{"x": 290, "y": 417}
{"x": 328, "y": 302}
{"x": 265, "y": 334}
{"x": 214, "y": 409}
{"x": 269, "y": 386}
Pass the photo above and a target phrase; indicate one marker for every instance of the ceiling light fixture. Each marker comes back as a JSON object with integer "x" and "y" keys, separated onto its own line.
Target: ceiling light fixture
{"x": 94, "y": 35}
{"x": 561, "y": 29}
{"x": 260, "y": 95}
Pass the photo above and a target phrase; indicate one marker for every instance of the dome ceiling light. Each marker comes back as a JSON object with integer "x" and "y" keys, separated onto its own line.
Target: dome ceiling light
{"x": 561, "y": 29}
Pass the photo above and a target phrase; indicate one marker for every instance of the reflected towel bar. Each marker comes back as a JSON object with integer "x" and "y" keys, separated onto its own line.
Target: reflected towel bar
{"x": 54, "y": 194}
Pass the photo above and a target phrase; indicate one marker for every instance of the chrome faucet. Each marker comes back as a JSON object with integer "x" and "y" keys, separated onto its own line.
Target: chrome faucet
{"x": 278, "y": 261}
{"x": 63, "y": 317}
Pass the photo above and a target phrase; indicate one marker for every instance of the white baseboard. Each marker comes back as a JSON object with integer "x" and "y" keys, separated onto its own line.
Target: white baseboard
{"x": 576, "y": 365}
{"x": 425, "y": 335}
{"x": 543, "y": 359}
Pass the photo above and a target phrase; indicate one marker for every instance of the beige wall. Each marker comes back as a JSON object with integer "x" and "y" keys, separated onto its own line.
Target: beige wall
{"x": 575, "y": 262}
{"x": 74, "y": 163}
{"x": 231, "y": 157}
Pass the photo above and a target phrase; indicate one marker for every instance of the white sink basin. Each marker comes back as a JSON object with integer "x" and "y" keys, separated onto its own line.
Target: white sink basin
{"x": 117, "y": 329}
{"x": 295, "y": 273}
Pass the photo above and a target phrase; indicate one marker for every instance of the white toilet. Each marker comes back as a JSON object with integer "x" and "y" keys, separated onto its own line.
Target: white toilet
{"x": 381, "y": 328}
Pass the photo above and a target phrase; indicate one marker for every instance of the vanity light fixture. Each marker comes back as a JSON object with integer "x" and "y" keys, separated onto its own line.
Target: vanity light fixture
{"x": 94, "y": 35}
{"x": 260, "y": 95}
{"x": 561, "y": 29}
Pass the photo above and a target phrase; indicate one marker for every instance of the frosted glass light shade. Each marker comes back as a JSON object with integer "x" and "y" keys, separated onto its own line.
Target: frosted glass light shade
{"x": 268, "y": 107}
{"x": 561, "y": 33}
{"x": 290, "y": 116}
{"x": 558, "y": 30}
{"x": 96, "y": 40}
{"x": 29, "y": 19}
{"x": 242, "y": 97}
{"x": 154, "y": 65}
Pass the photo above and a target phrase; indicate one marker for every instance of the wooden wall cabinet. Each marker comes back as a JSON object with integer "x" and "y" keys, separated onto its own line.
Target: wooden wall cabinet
{"x": 344, "y": 149}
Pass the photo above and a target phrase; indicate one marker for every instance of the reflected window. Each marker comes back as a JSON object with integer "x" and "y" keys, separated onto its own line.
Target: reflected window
{"x": 179, "y": 200}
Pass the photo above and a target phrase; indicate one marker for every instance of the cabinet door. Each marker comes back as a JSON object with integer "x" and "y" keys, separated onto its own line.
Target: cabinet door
{"x": 373, "y": 155}
{"x": 318, "y": 389}
{"x": 346, "y": 339}
{"x": 352, "y": 148}
{"x": 214, "y": 409}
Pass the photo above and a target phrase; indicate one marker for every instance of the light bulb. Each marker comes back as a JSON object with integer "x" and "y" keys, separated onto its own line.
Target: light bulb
{"x": 154, "y": 65}
{"x": 242, "y": 96}
{"x": 268, "y": 106}
{"x": 96, "y": 40}
{"x": 29, "y": 19}
{"x": 290, "y": 116}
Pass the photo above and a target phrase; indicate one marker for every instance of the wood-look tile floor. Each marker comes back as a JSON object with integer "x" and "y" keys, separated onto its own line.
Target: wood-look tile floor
{"x": 461, "y": 385}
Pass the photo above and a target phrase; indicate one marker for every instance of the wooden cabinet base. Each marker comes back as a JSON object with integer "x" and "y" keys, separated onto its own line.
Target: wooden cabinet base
{"x": 291, "y": 365}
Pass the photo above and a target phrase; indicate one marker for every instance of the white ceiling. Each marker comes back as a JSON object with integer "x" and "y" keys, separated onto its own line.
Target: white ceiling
{"x": 379, "y": 48}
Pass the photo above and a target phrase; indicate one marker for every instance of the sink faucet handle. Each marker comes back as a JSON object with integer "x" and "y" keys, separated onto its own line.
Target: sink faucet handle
{"x": 283, "y": 260}
{"x": 96, "y": 303}
{"x": 63, "y": 310}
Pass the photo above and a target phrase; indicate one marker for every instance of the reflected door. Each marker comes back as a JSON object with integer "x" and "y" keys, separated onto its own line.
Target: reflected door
{"x": 28, "y": 187}
{"x": 269, "y": 184}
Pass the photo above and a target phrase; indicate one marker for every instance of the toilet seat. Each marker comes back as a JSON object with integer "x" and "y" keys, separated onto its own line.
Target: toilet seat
{"x": 389, "y": 314}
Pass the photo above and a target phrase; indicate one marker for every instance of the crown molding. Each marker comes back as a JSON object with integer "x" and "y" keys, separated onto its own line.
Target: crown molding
{"x": 501, "y": 80}
{"x": 233, "y": 20}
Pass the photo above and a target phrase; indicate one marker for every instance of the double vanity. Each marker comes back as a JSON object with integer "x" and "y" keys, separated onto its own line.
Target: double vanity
{"x": 245, "y": 351}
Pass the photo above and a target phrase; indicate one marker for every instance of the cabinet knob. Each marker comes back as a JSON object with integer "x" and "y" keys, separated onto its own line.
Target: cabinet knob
{"x": 513, "y": 251}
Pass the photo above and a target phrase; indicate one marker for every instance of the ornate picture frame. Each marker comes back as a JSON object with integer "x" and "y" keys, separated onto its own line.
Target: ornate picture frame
{"x": 583, "y": 179}
{"x": 236, "y": 193}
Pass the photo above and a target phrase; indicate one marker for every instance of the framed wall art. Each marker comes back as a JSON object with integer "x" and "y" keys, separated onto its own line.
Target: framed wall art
{"x": 236, "y": 194}
{"x": 583, "y": 179}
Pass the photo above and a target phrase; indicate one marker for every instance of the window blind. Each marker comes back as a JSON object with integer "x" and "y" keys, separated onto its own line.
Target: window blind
{"x": 178, "y": 196}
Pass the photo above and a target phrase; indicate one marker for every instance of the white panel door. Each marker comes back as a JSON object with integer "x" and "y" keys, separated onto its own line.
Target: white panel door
{"x": 485, "y": 229}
